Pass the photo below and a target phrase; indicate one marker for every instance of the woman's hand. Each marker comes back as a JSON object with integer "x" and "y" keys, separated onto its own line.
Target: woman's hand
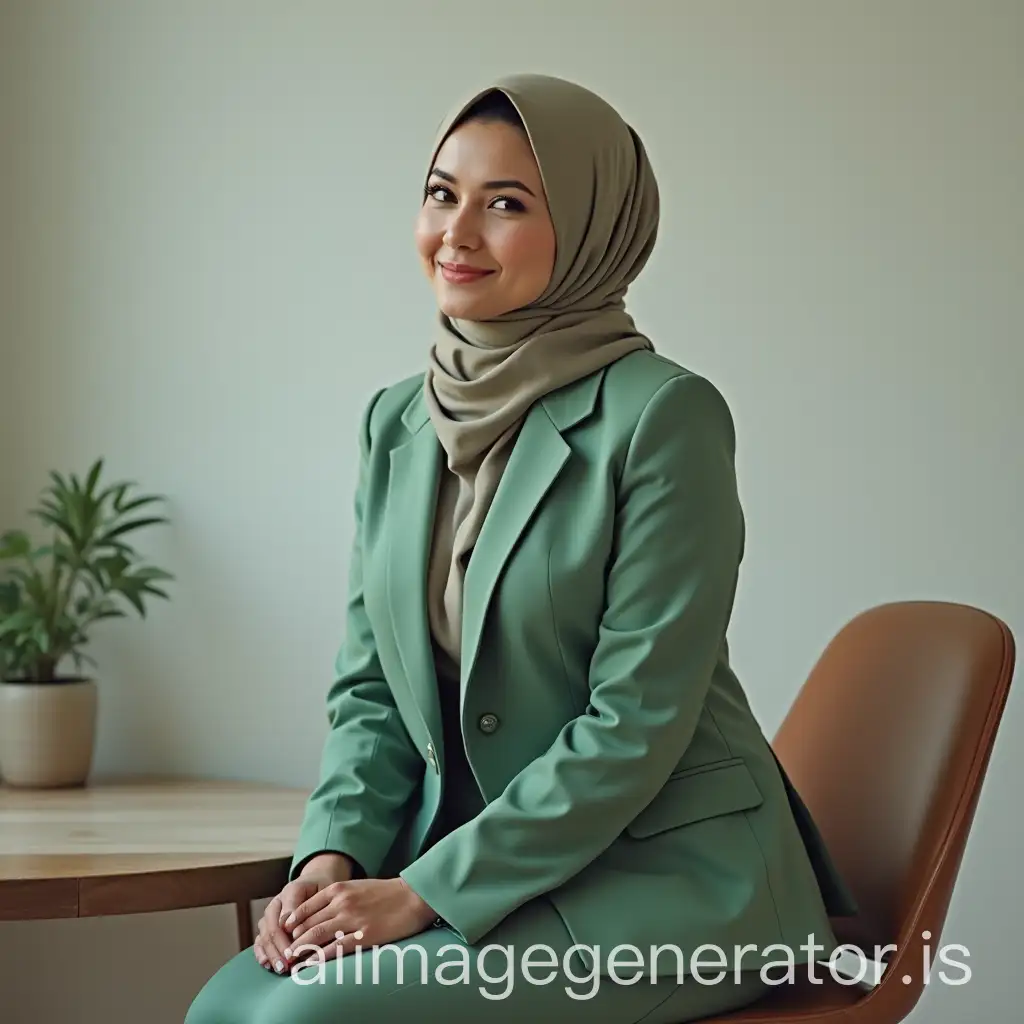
{"x": 369, "y": 911}
{"x": 272, "y": 940}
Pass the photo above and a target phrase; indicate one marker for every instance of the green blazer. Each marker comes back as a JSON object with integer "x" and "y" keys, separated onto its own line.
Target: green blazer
{"x": 626, "y": 778}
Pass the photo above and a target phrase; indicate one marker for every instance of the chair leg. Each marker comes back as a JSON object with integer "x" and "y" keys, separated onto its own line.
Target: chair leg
{"x": 243, "y": 913}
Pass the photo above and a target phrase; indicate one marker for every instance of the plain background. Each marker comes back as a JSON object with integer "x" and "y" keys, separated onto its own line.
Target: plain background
{"x": 207, "y": 266}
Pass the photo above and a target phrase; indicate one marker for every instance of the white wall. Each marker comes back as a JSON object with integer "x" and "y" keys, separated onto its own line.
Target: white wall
{"x": 208, "y": 211}
{"x": 11, "y": 325}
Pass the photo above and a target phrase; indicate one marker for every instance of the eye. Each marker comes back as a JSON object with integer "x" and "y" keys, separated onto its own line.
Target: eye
{"x": 514, "y": 205}
{"x": 431, "y": 192}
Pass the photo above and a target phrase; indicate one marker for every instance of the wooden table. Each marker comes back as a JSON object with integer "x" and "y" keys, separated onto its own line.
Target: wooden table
{"x": 130, "y": 846}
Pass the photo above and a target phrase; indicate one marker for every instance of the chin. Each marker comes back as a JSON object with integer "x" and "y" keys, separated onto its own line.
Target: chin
{"x": 464, "y": 308}
{"x": 463, "y": 311}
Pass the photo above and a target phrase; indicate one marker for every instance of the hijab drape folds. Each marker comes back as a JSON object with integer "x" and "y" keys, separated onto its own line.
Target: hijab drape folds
{"x": 483, "y": 376}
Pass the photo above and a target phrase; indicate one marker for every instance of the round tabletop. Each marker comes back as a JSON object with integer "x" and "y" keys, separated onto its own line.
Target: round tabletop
{"x": 139, "y": 845}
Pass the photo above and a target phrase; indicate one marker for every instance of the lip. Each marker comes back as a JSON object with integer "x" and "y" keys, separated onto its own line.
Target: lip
{"x": 462, "y": 273}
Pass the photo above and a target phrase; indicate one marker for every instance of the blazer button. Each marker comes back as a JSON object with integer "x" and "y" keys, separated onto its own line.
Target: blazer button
{"x": 432, "y": 758}
{"x": 488, "y": 723}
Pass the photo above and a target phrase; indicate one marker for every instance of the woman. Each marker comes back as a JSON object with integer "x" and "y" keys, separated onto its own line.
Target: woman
{"x": 536, "y": 736}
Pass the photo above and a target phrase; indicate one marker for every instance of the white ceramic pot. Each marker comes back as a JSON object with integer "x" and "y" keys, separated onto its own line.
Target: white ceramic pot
{"x": 47, "y": 732}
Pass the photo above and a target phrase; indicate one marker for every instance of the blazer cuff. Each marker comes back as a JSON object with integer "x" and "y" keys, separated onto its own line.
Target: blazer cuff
{"x": 470, "y": 911}
{"x": 356, "y": 845}
{"x": 298, "y": 865}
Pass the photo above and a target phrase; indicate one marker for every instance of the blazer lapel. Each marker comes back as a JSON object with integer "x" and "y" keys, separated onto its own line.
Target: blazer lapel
{"x": 537, "y": 458}
{"x": 411, "y": 504}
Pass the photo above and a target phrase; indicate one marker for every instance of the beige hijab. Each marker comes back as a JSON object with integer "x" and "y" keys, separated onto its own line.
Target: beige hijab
{"x": 483, "y": 376}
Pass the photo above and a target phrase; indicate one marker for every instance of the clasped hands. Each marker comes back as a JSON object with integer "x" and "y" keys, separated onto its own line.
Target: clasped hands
{"x": 310, "y": 911}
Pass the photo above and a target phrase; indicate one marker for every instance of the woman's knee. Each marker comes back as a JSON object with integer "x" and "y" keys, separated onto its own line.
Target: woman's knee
{"x": 205, "y": 1008}
{"x": 230, "y": 995}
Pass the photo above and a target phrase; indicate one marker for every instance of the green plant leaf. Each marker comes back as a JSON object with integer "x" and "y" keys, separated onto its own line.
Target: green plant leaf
{"x": 60, "y": 521}
{"x": 52, "y": 593}
{"x": 19, "y": 622}
{"x": 151, "y": 573}
{"x": 41, "y": 637}
{"x": 80, "y": 659}
{"x": 128, "y": 527}
{"x": 94, "y": 475}
{"x": 10, "y": 596}
{"x": 59, "y": 481}
{"x": 15, "y": 544}
{"x": 125, "y": 507}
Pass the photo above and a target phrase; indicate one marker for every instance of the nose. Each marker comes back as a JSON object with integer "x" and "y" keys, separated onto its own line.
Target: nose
{"x": 461, "y": 232}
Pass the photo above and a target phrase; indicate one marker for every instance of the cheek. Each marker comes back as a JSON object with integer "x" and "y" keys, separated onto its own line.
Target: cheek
{"x": 527, "y": 253}
{"x": 428, "y": 236}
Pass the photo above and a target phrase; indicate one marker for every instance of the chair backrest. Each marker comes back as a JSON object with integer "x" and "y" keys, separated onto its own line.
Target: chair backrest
{"x": 888, "y": 743}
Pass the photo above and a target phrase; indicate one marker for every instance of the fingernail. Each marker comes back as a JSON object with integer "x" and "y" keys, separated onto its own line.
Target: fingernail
{"x": 280, "y": 966}
{"x": 289, "y": 921}
{"x": 288, "y": 953}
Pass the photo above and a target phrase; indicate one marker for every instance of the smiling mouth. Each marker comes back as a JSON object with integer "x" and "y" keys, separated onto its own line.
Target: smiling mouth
{"x": 458, "y": 273}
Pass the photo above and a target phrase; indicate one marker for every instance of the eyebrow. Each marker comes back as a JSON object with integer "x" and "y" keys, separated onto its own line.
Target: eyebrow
{"x": 500, "y": 183}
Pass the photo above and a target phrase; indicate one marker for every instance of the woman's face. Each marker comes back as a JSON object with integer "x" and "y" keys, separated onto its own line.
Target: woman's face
{"x": 484, "y": 232}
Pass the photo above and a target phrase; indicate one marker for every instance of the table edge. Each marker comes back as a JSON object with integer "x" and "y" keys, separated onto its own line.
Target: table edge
{"x": 140, "y": 892}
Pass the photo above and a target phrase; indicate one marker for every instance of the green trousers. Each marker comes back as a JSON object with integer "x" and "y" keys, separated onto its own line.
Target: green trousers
{"x": 410, "y": 982}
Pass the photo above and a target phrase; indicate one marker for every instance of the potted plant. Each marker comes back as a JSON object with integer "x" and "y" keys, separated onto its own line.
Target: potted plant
{"x": 50, "y": 599}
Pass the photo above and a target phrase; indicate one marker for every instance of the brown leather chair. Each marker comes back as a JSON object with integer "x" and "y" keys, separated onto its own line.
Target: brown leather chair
{"x": 888, "y": 743}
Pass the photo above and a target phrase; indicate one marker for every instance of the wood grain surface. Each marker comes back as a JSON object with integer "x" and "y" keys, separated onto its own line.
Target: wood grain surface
{"x": 136, "y": 845}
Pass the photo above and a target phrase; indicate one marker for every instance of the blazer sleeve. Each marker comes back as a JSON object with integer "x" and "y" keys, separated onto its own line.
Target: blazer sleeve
{"x": 671, "y": 583}
{"x": 369, "y": 765}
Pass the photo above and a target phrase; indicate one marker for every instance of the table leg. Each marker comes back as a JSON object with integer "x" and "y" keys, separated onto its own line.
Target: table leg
{"x": 243, "y": 912}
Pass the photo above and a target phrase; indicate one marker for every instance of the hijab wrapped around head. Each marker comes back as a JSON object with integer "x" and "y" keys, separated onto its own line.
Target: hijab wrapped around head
{"x": 483, "y": 376}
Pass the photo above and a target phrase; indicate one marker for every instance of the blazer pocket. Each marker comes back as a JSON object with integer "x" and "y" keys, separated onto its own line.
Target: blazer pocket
{"x": 694, "y": 794}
